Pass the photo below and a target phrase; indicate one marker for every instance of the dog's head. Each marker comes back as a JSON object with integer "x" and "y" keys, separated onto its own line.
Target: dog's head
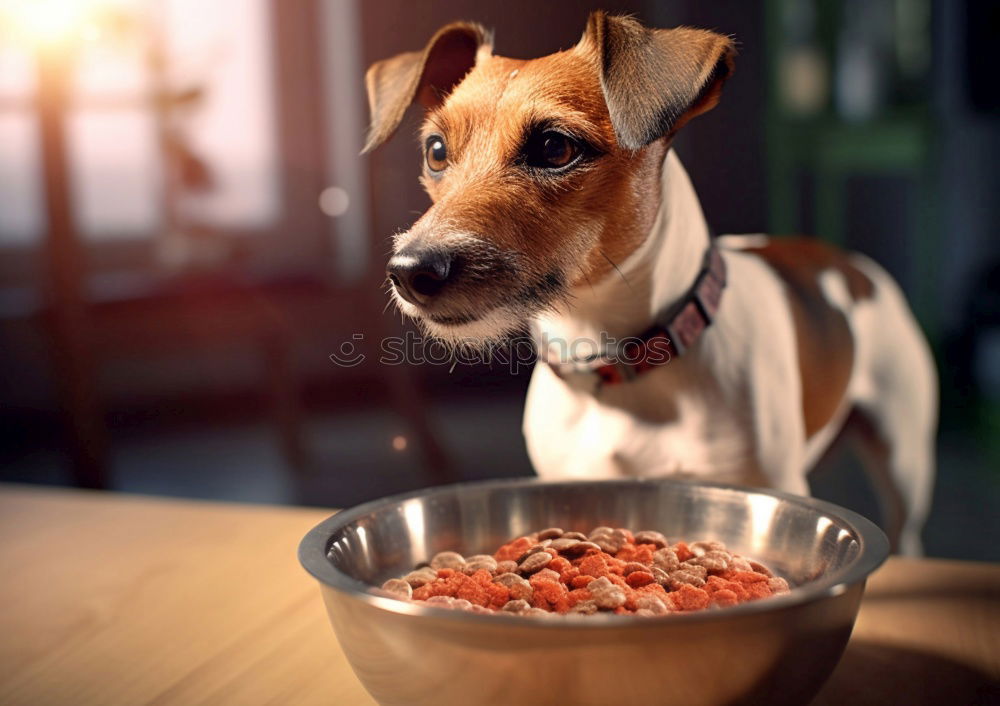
{"x": 543, "y": 173}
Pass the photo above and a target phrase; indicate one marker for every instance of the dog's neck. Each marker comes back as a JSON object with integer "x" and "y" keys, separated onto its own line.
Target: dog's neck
{"x": 655, "y": 276}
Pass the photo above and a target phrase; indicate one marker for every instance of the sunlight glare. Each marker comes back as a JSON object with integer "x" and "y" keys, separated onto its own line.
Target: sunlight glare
{"x": 48, "y": 22}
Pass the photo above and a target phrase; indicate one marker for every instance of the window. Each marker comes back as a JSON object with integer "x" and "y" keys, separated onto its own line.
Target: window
{"x": 123, "y": 170}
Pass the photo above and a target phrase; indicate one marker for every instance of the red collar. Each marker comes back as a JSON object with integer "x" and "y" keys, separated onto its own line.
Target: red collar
{"x": 672, "y": 333}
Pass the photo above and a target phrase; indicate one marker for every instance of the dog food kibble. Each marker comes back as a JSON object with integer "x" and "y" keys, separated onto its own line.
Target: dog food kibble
{"x": 609, "y": 570}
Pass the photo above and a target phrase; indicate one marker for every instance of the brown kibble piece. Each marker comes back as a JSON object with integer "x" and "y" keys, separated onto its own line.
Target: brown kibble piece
{"x": 507, "y": 566}
{"x": 666, "y": 559}
{"x": 738, "y": 563}
{"x": 540, "y": 547}
{"x": 517, "y": 586}
{"x": 652, "y": 604}
{"x": 700, "y": 548}
{"x": 582, "y": 548}
{"x": 693, "y": 575}
{"x": 606, "y": 595}
{"x": 447, "y": 560}
{"x": 550, "y": 533}
{"x": 441, "y": 601}
{"x": 713, "y": 560}
{"x": 516, "y": 606}
{"x": 421, "y": 576}
{"x": 481, "y": 561}
{"x": 564, "y": 543}
{"x": 399, "y": 588}
{"x": 778, "y": 585}
{"x": 651, "y": 537}
{"x": 534, "y": 562}
{"x": 575, "y": 535}
{"x": 546, "y": 575}
{"x": 609, "y": 540}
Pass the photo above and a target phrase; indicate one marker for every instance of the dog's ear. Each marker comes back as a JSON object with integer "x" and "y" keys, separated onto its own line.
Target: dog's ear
{"x": 426, "y": 76}
{"x": 655, "y": 80}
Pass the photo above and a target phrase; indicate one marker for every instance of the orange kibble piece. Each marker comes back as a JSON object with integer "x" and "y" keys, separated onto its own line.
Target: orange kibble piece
{"x": 482, "y": 577}
{"x": 644, "y": 553}
{"x": 550, "y": 595}
{"x": 439, "y": 587}
{"x": 618, "y": 580}
{"x": 683, "y": 552}
{"x": 512, "y": 550}
{"x": 653, "y": 589}
{"x": 552, "y": 590}
{"x": 717, "y": 583}
{"x": 757, "y": 590}
{"x": 473, "y": 593}
{"x": 689, "y": 598}
{"x": 627, "y": 553}
{"x": 639, "y": 578}
{"x": 743, "y": 576}
{"x": 724, "y": 597}
{"x": 498, "y": 594}
{"x": 560, "y": 564}
{"x": 581, "y": 581}
{"x": 595, "y": 565}
{"x": 577, "y": 595}
{"x": 561, "y": 605}
{"x": 569, "y": 574}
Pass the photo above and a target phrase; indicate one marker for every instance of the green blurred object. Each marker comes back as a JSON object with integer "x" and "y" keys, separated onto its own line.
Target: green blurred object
{"x": 821, "y": 122}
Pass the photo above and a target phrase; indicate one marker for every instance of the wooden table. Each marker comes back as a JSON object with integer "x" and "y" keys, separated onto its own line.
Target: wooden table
{"x": 116, "y": 599}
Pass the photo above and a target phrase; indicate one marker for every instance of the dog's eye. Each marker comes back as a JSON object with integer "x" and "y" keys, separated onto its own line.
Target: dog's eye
{"x": 551, "y": 150}
{"x": 437, "y": 153}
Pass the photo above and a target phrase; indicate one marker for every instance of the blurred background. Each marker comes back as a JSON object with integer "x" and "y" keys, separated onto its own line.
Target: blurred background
{"x": 187, "y": 233}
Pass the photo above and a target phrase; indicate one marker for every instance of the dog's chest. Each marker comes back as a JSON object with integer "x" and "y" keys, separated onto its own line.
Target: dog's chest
{"x": 643, "y": 431}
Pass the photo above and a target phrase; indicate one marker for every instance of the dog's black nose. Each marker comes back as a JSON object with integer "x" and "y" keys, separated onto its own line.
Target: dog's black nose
{"x": 419, "y": 276}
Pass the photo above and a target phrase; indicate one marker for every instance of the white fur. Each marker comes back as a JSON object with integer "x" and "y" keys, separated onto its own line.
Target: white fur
{"x": 730, "y": 408}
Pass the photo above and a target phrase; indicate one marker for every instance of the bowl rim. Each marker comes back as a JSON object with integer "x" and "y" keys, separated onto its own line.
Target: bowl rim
{"x": 874, "y": 550}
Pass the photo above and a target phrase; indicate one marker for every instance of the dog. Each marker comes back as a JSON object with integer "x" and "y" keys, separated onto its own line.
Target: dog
{"x": 558, "y": 204}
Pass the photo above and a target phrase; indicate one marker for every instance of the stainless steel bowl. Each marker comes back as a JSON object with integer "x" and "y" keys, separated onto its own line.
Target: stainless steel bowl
{"x": 775, "y": 651}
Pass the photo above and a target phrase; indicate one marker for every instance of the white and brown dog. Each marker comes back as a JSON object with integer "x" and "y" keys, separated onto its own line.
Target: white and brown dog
{"x": 559, "y": 203}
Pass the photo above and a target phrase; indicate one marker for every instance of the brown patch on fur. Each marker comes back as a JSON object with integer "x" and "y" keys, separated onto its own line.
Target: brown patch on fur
{"x": 825, "y": 343}
{"x": 425, "y": 76}
{"x": 635, "y": 63}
